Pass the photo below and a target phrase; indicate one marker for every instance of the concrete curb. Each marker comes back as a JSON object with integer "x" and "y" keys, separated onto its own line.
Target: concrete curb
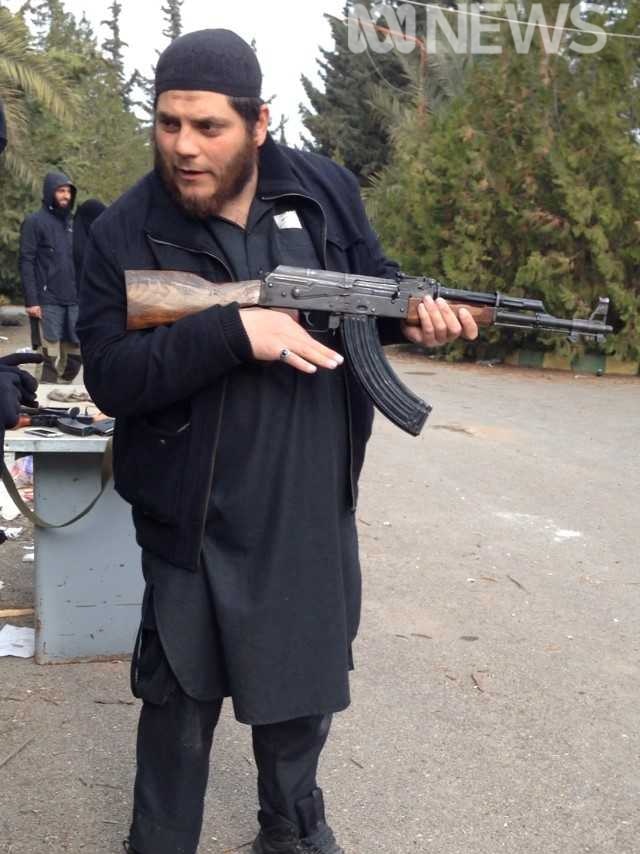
{"x": 13, "y": 315}
{"x": 584, "y": 363}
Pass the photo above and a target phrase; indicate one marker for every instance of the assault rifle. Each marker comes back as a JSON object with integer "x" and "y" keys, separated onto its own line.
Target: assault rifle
{"x": 50, "y": 419}
{"x": 353, "y": 303}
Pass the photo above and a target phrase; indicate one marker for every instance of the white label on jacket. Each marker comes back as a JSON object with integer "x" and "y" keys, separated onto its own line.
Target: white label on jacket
{"x": 288, "y": 219}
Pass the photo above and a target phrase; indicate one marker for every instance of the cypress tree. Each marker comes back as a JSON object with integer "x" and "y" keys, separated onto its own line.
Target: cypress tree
{"x": 341, "y": 122}
{"x": 172, "y": 11}
{"x": 529, "y": 182}
{"x": 350, "y": 117}
{"x": 113, "y": 47}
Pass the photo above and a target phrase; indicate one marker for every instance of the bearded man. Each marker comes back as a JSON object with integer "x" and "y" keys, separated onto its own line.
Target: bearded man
{"x": 239, "y": 441}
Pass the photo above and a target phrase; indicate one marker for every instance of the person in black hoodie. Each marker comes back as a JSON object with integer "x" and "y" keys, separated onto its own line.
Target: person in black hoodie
{"x": 84, "y": 217}
{"x": 48, "y": 274}
{"x": 86, "y": 213}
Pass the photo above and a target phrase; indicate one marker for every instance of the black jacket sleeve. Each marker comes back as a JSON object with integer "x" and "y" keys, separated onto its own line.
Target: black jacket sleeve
{"x": 28, "y": 258}
{"x": 136, "y": 373}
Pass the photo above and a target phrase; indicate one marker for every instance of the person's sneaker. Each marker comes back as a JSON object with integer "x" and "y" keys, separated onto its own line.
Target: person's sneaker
{"x": 285, "y": 839}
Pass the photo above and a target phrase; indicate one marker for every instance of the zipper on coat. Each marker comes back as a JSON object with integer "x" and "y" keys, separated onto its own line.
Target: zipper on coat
{"x": 193, "y": 252}
{"x": 216, "y": 441}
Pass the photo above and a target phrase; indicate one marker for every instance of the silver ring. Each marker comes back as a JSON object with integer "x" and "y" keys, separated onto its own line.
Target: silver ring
{"x": 284, "y": 354}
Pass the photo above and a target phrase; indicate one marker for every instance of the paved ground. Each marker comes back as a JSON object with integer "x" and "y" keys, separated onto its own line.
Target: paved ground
{"x": 496, "y": 692}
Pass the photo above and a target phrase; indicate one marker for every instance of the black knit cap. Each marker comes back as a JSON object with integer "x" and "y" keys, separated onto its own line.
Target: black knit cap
{"x": 210, "y": 61}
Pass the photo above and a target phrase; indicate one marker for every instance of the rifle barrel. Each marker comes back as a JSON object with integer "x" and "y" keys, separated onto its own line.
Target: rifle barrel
{"x": 551, "y": 323}
{"x": 496, "y": 299}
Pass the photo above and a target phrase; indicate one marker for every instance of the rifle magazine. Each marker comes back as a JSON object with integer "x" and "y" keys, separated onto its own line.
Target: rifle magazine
{"x": 387, "y": 392}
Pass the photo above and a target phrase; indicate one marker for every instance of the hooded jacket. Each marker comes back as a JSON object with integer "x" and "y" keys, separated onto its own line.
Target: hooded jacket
{"x": 46, "y": 255}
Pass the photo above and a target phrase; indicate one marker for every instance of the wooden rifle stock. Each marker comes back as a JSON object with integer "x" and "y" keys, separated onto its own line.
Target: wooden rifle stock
{"x": 159, "y": 298}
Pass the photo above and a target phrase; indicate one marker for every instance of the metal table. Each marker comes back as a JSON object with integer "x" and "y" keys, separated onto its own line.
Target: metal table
{"x": 88, "y": 583}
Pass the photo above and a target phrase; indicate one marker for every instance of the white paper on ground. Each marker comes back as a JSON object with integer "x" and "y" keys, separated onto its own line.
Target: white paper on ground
{"x": 17, "y": 641}
{"x": 12, "y": 533}
{"x": 8, "y": 509}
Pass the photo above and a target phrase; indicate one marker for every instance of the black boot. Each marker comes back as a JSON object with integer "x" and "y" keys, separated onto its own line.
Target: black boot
{"x": 314, "y": 836}
{"x": 314, "y": 830}
{"x": 321, "y": 841}
{"x": 286, "y": 839}
{"x": 281, "y": 838}
{"x": 72, "y": 368}
{"x": 49, "y": 373}
{"x": 127, "y": 847}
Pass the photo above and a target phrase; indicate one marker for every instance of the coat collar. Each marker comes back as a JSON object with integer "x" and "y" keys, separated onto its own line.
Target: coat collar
{"x": 276, "y": 177}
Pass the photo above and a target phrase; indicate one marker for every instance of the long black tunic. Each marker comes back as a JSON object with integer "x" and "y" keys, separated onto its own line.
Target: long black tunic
{"x": 280, "y": 547}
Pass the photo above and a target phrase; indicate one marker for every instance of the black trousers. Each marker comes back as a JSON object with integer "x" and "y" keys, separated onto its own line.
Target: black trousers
{"x": 175, "y": 735}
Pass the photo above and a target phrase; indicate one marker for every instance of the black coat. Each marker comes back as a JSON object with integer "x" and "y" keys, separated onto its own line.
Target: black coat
{"x": 271, "y": 605}
{"x": 166, "y": 386}
{"x": 46, "y": 258}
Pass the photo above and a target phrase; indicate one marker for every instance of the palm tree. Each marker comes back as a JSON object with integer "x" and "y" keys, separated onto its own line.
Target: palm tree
{"x": 27, "y": 73}
{"x": 434, "y": 82}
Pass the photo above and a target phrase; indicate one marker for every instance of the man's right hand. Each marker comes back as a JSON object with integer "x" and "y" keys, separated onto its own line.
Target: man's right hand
{"x": 34, "y": 311}
{"x": 274, "y": 335}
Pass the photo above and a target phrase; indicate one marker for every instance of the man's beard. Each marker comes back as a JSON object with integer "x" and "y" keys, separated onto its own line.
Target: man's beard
{"x": 230, "y": 183}
{"x": 61, "y": 211}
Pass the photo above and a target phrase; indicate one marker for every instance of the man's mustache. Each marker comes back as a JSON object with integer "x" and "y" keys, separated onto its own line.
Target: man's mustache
{"x": 187, "y": 167}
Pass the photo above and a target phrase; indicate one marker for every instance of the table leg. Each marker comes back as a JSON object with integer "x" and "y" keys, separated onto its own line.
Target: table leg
{"x": 88, "y": 583}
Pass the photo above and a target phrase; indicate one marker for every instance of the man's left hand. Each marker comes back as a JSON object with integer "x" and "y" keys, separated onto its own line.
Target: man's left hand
{"x": 439, "y": 324}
